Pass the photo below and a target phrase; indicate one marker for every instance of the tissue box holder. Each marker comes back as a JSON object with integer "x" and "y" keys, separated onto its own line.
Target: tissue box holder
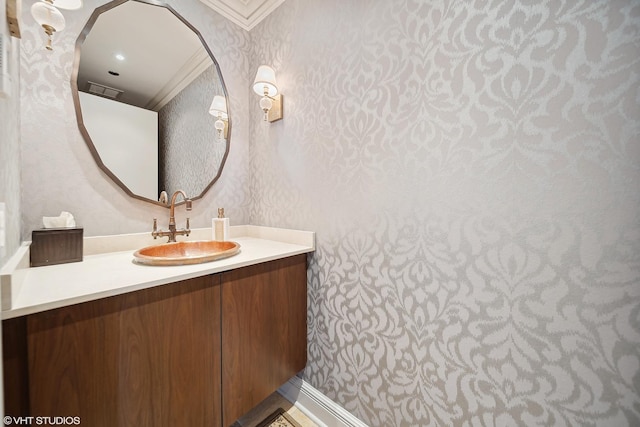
{"x": 51, "y": 246}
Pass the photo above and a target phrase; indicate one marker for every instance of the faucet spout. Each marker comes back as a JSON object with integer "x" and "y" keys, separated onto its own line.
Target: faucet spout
{"x": 172, "y": 219}
{"x": 187, "y": 200}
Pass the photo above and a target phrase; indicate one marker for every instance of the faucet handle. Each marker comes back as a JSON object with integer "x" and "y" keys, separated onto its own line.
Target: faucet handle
{"x": 155, "y": 228}
{"x": 188, "y": 230}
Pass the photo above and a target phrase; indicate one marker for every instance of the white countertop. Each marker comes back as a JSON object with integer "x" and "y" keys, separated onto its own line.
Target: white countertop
{"x": 107, "y": 273}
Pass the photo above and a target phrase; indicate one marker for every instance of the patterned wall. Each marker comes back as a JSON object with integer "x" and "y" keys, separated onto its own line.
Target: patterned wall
{"x": 10, "y": 152}
{"x": 472, "y": 170}
{"x": 58, "y": 172}
{"x": 190, "y": 153}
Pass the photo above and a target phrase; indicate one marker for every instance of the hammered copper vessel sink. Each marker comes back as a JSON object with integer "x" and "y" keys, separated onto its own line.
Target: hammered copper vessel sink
{"x": 184, "y": 253}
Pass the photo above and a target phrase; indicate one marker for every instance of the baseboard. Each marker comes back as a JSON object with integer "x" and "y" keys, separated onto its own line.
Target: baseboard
{"x": 318, "y": 407}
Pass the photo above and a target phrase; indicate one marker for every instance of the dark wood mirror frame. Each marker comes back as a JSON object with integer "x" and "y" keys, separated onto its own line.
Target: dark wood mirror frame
{"x": 76, "y": 98}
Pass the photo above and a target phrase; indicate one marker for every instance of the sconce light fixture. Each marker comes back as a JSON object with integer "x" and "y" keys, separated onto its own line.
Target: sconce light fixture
{"x": 50, "y": 18}
{"x": 265, "y": 86}
{"x": 218, "y": 109}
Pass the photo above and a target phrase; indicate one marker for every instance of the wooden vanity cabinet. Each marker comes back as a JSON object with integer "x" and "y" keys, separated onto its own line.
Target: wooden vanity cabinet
{"x": 136, "y": 359}
{"x": 199, "y": 352}
{"x": 264, "y": 331}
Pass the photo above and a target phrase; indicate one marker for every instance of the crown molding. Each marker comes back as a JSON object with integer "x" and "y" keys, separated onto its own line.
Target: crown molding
{"x": 195, "y": 66}
{"x": 245, "y": 13}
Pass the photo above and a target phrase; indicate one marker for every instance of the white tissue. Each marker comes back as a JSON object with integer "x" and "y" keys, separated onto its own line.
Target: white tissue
{"x": 65, "y": 220}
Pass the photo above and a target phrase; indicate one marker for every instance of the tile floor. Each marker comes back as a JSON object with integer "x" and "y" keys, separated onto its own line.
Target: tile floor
{"x": 270, "y": 404}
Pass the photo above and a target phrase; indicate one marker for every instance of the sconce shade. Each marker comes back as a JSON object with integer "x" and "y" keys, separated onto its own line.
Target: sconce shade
{"x": 265, "y": 77}
{"x": 46, "y": 15}
{"x": 219, "y": 107}
{"x": 68, "y": 4}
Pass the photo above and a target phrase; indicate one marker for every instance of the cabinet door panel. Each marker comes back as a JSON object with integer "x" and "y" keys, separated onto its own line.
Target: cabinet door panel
{"x": 147, "y": 358}
{"x": 14, "y": 358}
{"x": 72, "y": 364}
{"x": 264, "y": 331}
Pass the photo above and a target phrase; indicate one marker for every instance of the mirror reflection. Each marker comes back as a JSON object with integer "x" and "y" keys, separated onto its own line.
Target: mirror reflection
{"x": 143, "y": 85}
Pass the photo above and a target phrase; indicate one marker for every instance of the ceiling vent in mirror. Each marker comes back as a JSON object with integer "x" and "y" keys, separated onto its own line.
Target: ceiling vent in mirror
{"x": 102, "y": 90}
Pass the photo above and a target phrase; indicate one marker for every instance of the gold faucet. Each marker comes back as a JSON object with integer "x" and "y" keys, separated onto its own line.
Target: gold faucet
{"x": 172, "y": 233}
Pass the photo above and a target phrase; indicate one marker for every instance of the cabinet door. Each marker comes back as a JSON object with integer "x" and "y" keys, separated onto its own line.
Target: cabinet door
{"x": 264, "y": 331}
{"x": 14, "y": 355}
{"x": 146, "y": 358}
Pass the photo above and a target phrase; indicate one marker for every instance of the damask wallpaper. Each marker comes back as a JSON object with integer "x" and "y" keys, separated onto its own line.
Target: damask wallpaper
{"x": 10, "y": 153}
{"x": 472, "y": 171}
{"x": 187, "y": 137}
{"x": 58, "y": 172}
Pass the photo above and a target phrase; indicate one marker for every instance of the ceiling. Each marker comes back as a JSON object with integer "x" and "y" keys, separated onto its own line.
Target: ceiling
{"x": 246, "y": 13}
{"x": 161, "y": 55}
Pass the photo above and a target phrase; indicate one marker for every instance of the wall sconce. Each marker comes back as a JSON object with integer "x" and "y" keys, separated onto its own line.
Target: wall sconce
{"x": 219, "y": 109}
{"x": 50, "y": 18}
{"x": 265, "y": 86}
